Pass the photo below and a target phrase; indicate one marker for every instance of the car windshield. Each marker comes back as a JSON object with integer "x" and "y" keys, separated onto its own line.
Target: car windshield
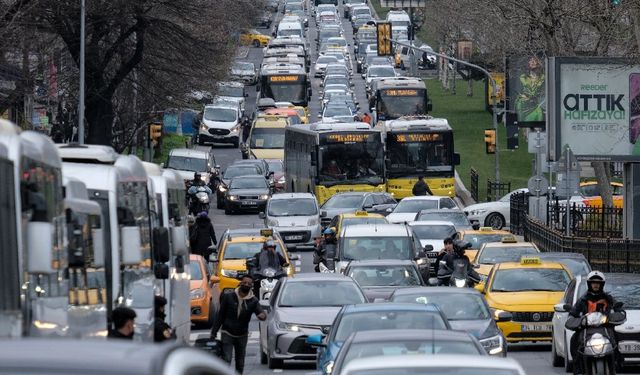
{"x": 290, "y": 32}
{"x": 240, "y": 171}
{"x": 478, "y": 239}
{"x": 625, "y": 291}
{"x": 385, "y": 319}
{"x": 416, "y": 346}
{"x": 381, "y": 71}
{"x": 320, "y": 293}
{"x": 363, "y": 220}
{"x": 334, "y": 111}
{"x": 243, "y": 66}
{"x": 343, "y": 201}
{"x": 196, "y": 272}
{"x": 577, "y": 266}
{"x": 336, "y": 81}
{"x": 293, "y": 6}
{"x": 449, "y": 370}
{"x": 455, "y": 217}
{"x": 220, "y": 114}
{"x": 493, "y": 255}
{"x": 415, "y": 205}
{"x": 326, "y": 60}
{"x": 369, "y": 248}
{"x": 385, "y": 276}
{"x": 271, "y": 138}
{"x": 243, "y": 250}
{"x": 337, "y": 41}
{"x": 275, "y": 166}
{"x": 292, "y": 207}
{"x": 430, "y": 232}
{"x": 228, "y": 90}
{"x": 530, "y": 279}
{"x": 184, "y": 163}
{"x": 248, "y": 183}
{"x": 455, "y": 306}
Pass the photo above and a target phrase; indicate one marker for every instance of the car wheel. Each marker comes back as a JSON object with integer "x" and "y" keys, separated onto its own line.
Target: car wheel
{"x": 263, "y": 354}
{"x": 219, "y": 204}
{"x": 274, "y": 363}
{"x": 236, "y": 143}
{"x": 568, "y": 365}
{"x": 228, "y": 210}
{"x": 556, "y": 360}
{"x": 256, "y": 43}
{"x": 494, "y": 220}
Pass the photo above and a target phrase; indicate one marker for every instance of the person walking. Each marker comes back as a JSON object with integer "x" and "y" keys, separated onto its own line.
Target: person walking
{"x": 161, "y": 330}
{"x": 421, "y": 187}
{"x": 123, "y": 319}
{"x": 233, "y": 320}
{"x": 202, "y": 235}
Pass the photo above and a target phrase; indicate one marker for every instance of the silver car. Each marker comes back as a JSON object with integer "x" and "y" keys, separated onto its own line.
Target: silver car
{"x": 299, "y": 307}
{"x": 296, "y": 216}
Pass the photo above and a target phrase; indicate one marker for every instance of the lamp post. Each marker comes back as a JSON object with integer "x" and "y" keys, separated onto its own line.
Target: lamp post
{"x": 81, "y": 95}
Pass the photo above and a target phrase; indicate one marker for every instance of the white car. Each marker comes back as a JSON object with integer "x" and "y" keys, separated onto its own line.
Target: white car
{"x": 432, "y": 233}
{"x": 624, "y": 288}
{"x": 220, "y": 124}
{"x": 492, "y": 214}
{"x": 321, "y": 64}
{"x": 409, "y": 207}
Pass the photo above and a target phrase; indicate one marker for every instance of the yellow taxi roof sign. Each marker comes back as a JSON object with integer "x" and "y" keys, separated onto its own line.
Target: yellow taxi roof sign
{"x": 509, "y": 239}
{"x": 266, "y": 232}
{"x": 362, "y": 213}
{"x": 486, "y": 229}
{"x": 528, "y": 260}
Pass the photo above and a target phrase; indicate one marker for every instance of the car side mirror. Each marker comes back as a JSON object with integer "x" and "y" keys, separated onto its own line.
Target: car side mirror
{"x": 475, "y": 265}
{"x": 214, "y": 279}
{"x": 560, "y": 307}
{"x": 503, "y": 316}
{"x": 213, "y": 257}
{"x": 475, "y": 226}
{"x": 428, "y": 248}
{"x": 261, "y": 215}
{"x": 389, "y": 209}
{"x": 421, "y": 255}
{"x": 323, "y": 213}
{"x": 480, "y": 287}
{"x": 161, "y": 246}
{"x": 456, "y": 159}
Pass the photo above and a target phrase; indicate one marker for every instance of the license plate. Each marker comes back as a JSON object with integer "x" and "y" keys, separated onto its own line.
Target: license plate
{"x": 631, "y": 347}
{"x": 249, "y": 203}
{"x": 292, "y": 238}
{"x": 432, "y": 260}
{"x": 536, "y": 328}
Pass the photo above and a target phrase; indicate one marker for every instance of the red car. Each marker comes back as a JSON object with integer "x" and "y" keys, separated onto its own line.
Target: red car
{"x": 277, "y": 168}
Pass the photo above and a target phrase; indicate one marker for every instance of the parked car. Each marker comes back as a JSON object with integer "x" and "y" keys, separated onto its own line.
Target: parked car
{"x": 492, "y": 214}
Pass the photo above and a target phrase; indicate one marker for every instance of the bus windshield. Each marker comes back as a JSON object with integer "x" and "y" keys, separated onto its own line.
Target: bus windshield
{"x": 393, "y": 104}
{"x": 272, "y": 138}
{"x": 285, "y": 91}
{"x": 416, "y": 154}
{"x": 351, "y": 162}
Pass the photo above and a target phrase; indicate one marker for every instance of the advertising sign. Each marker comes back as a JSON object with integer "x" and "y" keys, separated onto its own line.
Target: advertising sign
{"x": 526, "y": 90}
{"x": 596, "y": 108}
{"x": 488, "y": 99}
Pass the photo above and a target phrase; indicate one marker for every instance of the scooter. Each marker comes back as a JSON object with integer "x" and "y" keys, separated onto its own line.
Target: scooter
{"x": 267, "y": 278}
{"x": 598, "y": 349}
{"x": 198, "y": 199}
{"x": 459, "y": 277}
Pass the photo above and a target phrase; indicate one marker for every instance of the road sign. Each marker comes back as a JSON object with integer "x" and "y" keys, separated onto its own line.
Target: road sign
{"x": 538, "y": 185}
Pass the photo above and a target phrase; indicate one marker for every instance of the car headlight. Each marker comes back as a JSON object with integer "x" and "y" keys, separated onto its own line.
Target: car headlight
{"x": 197, "y": 293}
{"x": 222, "y": 188}
{"x": 288, "y": 327}
{"x": 328, "y": 367}
{"x": 312, "y": 221}
{"x": 493, "y": 344}
{"x": 203, "y": 127}
{"x": 272, "y": 223}
{"x": 264, "y": 196}
{"x": 232, "y": 197}
{"x": 421, "y": 261}
{"x": 281, "y": 180}
{"x": 476, "y": 212}
{"x": 235, "y": 129}
{"x": 460, "y": 283}
{"x": 229, "y": 273}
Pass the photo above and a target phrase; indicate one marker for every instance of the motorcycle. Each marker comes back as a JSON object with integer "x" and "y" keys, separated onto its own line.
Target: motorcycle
{"x": 330, "y": 267}
{"x": 198, "y": 199}
{"x": 265, "y": 280}
{"x": 598, "y": 348}
{"x": 459, "y": 277}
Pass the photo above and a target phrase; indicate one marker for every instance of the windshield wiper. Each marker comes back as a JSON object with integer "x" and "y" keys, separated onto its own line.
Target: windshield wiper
{"x": 544, "y": 290}
{"x": 505, "y": 290}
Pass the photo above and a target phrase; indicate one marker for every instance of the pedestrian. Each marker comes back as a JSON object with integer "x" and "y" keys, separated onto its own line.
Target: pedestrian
{"x": 233, "y": 320}
{"x": 123, "y": 319}
{"x": 202, "y": 235}
{"x": 421, "y": 187}
{"x": 161, "y": 330}
{"x": 367, "y": 118}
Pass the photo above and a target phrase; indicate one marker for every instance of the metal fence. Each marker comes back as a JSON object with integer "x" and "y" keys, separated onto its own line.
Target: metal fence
{"x": 519, "y": 209}
{"x": 498, "y": 189}
{"x": 474, "y": 184}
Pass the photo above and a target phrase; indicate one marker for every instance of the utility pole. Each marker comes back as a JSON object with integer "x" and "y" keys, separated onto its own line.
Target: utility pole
{"x": 81, "y": 96}
{"x": 494, "y": 85}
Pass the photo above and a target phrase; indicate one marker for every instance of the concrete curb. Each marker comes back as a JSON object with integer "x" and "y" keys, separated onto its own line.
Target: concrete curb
{"x": 462, "y": 192}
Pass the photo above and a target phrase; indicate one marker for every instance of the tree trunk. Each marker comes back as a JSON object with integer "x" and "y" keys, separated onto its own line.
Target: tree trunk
{"x": 604, "y": 182}
{"x": 99, "y": 119}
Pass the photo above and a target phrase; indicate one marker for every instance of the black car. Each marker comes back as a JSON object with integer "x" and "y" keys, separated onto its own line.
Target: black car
{"x": 222, "y": 183}
{"x": 247, "y": 193}
{"x": 380, "y": 278}
{"x": 342, "y": 203}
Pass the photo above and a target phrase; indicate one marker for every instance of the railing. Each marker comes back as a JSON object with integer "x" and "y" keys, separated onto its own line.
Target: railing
{"x": 498, "y": 189}
{"x": 601, "y": 222}
{"x": 474, "y": 184}
{"x": 519, "y": 208}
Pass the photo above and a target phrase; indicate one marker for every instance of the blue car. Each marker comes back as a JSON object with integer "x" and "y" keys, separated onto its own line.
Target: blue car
{"x": 378, "y": 316}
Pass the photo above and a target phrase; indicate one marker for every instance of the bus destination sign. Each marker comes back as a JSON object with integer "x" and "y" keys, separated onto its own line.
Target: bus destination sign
{"x": 416, "y": 137}
{"x": 401, "y": 92}
{"x": 284, "y": 78}
{"x": 348, "y": 137}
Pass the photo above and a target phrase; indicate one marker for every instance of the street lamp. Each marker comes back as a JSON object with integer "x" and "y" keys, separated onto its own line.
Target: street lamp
{"x": 81, "y": 98}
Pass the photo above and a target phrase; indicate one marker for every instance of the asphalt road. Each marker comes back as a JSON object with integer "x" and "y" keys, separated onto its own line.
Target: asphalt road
{"x": 535, "y": 358}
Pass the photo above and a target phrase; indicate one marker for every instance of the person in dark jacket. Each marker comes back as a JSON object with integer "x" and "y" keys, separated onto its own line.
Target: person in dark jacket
{"x": 444, "y": 274}
{"x": 123, "y": 319}
{"x": 161, "y": 330}
{"x": 421, "y": 187}
{"x": 202, "y": 235}
{"x": 448, "y": 249}
{"x": 325, "y": 248}
{"x": 233, "y": 320}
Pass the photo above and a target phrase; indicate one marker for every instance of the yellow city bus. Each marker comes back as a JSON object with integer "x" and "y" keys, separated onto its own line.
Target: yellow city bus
{"x": 330, "y": 158}
{"x": 420, "y": 146}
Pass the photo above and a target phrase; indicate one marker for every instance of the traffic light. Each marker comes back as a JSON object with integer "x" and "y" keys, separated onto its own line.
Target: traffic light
{"x": 383, "y": 32}
{"x": 155, "y": 133}
{"x": 490, "y": 140}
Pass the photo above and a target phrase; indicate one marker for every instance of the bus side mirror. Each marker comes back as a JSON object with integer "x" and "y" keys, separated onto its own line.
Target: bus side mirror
{"x": 161, "y": 245}
{"x": 429, "y": 106}
{"x": 456, "y": 158}
{"x": 131, "y": 242}
{"x": 161, "y": 271}
{"x": 179, "y": 241}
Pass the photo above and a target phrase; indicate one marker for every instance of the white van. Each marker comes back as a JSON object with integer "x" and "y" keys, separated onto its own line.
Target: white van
{"x": 400, "y": 23}
{"x": 290, "y": 29}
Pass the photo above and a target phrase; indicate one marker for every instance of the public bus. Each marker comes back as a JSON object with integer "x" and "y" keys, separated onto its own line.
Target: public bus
{"x": 285, "y": 83}
{"x": 118, "y": 183}
{"x": 329, "y": 158}
{"x": 420, "y": 146}
{"x": 396, "y": 97}
{"x": 169, "y": 211}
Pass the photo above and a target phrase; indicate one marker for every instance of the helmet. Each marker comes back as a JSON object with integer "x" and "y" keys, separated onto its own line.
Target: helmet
{"x": 269, "y": 243}
{"x": 329, "y": 231}
{"x": 595, "y": 277}
{"x": 196, "y": 175}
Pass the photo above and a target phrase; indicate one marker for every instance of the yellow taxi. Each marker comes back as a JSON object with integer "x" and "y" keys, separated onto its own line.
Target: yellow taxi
{"x": 507, "y": 250}
{"x": 302, "y": 112}
{"x": 254, "y": 38}
{"x": 591, "y": 194}
{"x": 522, "y": 295}
{"x": 479, "y": 237}
{"x": 231, "y": 258}
{"x": 203, "y": 294}
{"x": 359, "y": 217}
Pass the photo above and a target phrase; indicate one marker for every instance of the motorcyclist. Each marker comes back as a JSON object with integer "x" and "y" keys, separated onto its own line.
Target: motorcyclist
{"x": 268, "y": 257}
{"x": 192, "y": 189}
{"x": 594, "y": 300}
{"x": 325, "y": 246}
{"x": 444, "y": 274}
{"x": 447, "y": 249}
{"x": 197, "y": 181}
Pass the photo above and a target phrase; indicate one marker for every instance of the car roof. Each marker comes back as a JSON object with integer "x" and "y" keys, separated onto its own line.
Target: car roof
{"x": 558, "y": 254}
{"x": 435, "y": 290}
{"x": 280, "y": 196}
{"x": 400, "y": 334}
{"x": 314, "y": 276}
{"x": 508, "y": 244}
{"x": 440, "y": 210}
{"x": 441, "y": 360}
{"x": 430, "y": 222}
{"x": 390, "y": 306}
{"x": 363, "y": 215}
{"x": 424, "y": 198}
{"x": 189, "y": 152}
{"x": 542, "y": 265}
{"x": 375, "y": 230}
{"x": 381, "y": 262}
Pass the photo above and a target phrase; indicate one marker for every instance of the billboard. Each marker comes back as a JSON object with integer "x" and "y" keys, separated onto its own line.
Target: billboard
{"x": 595, "y": 108}
{"x": 525, "y": 85}
{"x": 488, "y": 98}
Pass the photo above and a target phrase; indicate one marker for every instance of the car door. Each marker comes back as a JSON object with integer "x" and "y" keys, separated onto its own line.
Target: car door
{"x": 264, "y": 325}
{"x": 560, "y": 318}
{"x": 447, "y": 203}
{"x": 368, "y": 203}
